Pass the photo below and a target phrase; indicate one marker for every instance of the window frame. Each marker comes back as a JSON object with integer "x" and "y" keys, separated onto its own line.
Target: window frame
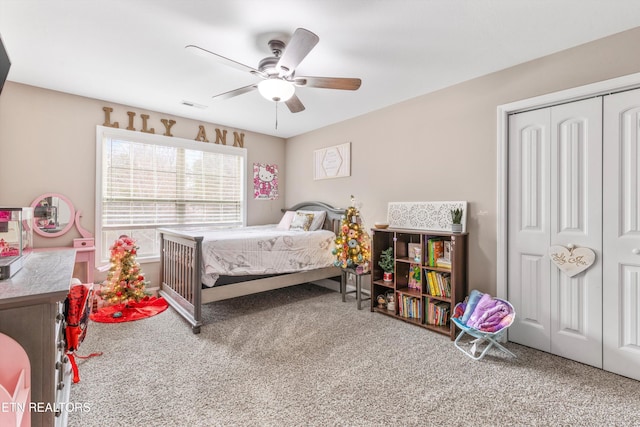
{"x": 104, "y": 133}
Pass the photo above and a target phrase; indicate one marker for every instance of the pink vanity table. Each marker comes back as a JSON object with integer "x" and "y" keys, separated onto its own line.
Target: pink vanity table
{"x": 53, "y": 216}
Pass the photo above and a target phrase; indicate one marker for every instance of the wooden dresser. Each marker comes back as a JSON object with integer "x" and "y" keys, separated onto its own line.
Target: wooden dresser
{"x": 31, "y": 306}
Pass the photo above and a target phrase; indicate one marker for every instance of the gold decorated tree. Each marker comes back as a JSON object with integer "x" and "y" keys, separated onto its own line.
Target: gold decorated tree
{"x": 353, "y": 245}
{"x": 125, "y": 281}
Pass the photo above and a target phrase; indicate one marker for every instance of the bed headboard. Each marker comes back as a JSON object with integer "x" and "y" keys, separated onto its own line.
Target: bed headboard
{"x": 334, "y": 215}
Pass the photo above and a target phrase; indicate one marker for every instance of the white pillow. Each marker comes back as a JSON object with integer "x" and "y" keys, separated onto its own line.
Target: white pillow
{"x": 285, "y": 222}
{"x": 318, "y": 219}
{"x": 301, "y": 221}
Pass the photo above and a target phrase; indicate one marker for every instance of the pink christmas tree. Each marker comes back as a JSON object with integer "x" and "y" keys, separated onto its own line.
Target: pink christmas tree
{"x": 125, "y": 281}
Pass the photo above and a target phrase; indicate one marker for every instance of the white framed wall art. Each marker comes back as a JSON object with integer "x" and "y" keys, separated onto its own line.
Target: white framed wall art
{"x": 425, "y": 215}
{"x": 332, "y": 162}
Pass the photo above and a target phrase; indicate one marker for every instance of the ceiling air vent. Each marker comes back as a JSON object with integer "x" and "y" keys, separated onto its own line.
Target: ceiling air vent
{"x": 194, "y": 105}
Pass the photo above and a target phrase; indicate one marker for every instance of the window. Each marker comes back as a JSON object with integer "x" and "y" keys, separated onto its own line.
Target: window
{"x": 145, "y": 182}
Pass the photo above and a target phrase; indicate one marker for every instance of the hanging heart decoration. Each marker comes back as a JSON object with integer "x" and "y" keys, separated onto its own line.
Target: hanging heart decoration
{"x": 572, "y": 260}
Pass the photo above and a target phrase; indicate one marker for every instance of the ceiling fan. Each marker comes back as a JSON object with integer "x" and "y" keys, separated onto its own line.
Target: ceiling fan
{"x": 278, "y": 71}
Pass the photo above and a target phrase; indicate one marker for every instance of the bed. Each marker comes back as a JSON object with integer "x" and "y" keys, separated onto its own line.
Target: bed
{"x": 203, "y": 265}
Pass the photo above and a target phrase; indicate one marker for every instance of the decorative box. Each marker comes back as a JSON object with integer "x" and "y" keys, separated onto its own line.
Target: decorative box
{"x": 16, "y": 239}
{"x": 84, "y": 243}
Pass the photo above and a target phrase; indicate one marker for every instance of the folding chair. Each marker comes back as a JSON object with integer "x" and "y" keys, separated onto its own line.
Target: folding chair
{"x": 489, "y": 339}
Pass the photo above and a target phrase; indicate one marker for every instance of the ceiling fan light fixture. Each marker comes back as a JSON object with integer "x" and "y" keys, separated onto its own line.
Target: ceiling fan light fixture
{"x": 276, "y": 90}
{"x": 279, "y": 71}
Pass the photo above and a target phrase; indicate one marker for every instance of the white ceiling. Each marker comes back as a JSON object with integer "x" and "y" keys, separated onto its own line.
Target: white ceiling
{"x": 132, "y": 51}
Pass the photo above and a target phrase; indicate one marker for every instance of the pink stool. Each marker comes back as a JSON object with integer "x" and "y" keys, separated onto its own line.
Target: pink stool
{"x": 15, "y": 384}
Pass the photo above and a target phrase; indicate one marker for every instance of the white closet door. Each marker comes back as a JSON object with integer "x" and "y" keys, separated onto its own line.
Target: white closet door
{"x": 576, "y": 219}
{"x": 529, "y": 228}
{"x": 555, "y": 198}
{"x": 621, "y": 243}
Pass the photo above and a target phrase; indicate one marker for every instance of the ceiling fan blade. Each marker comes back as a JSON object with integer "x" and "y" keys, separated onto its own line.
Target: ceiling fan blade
{"x": 341, "y": 83}
{"x": 236, "y": 92}
{"x": 230, "y": 62}
{"x": 294, "y": 104}
{"x": 299, "y": 46}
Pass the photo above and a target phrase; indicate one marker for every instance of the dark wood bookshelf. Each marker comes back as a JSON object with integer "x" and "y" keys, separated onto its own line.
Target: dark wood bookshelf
{"x": 399, "y": 239}
{"x": 409, "y": 291}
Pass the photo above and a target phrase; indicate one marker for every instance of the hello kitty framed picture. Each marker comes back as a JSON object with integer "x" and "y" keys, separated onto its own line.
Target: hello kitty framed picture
{"x": 265, "y": 181}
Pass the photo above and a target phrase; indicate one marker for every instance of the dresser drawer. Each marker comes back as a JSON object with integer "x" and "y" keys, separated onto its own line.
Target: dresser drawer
{"x": 84, "y": 243}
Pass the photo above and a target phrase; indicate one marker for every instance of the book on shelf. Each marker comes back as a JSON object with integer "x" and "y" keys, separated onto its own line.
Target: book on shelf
{"x": 410, "y": 307}
{"x": 439, "y": 284}
{"x": 414, "y": 281}
{"x": 437, "y": 313}
{"x": 438, "y": 249}
{"x": 443, "y": 263}
{"x": 444, "y": 258}
{"x": 444, "y": 280}
{"x": 432, "y": 288}
{"x": 435, "y": 247}
{"x": 446, "y": 254}
{"x": 436, "y": 284}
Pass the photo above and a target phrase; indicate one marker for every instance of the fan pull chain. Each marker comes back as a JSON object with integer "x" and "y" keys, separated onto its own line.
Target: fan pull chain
{"x": 276, "y": 116}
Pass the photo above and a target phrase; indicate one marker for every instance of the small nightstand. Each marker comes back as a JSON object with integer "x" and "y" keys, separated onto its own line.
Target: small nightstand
{"x": 358, "y": 278}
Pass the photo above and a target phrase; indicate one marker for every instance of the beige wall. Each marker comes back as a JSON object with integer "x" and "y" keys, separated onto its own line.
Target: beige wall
{"x": 48, "y": 140}
{"x": 442, "y": 146}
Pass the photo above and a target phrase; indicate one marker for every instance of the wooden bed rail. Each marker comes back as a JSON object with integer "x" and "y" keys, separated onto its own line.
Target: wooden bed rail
{"x": 180, "y": 275}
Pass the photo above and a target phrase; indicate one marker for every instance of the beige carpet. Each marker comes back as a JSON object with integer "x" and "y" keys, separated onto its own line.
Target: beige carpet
{"x": 301, "y": 357}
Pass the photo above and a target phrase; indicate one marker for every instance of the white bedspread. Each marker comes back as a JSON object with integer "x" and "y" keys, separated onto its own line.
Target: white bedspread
{"x": 263, "y": 249}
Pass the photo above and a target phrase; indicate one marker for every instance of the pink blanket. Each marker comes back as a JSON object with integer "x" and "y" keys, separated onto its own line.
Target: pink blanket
{"x": 490, "y": 315}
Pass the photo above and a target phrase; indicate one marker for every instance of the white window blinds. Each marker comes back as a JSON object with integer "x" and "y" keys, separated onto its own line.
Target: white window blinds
{"x": 152, "y": 181}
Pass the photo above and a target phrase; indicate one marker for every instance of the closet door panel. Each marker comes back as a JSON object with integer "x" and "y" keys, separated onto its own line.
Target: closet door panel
{"x": 621, "y": 241}
{"x": 528, "y": 270}
{"x": 630, "y": 308}
{"x": 576, "y": 221}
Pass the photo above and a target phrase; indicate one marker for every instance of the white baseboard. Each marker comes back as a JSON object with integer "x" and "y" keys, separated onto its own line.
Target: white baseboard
{"x": 329, "y": 284}
{"x": 335, "y": 286}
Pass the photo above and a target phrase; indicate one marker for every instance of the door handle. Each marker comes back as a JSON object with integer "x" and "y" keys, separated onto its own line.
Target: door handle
{"x": 635, "y": 251}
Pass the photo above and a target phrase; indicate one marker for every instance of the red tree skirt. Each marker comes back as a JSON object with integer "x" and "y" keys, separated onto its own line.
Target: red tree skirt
{"x": 147, "y": 307}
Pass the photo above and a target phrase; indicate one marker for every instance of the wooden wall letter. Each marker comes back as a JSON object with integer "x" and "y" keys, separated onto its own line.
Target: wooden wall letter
{"x": 221, "y": 137}
{"x": 238, "y": 140}
{"x": 167, "y": 126}
{"x": 131, "y": 115}
{"x": 202, "y": 134}
{"x": 107, "y": 118}
{"x": 145, "y": 117}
